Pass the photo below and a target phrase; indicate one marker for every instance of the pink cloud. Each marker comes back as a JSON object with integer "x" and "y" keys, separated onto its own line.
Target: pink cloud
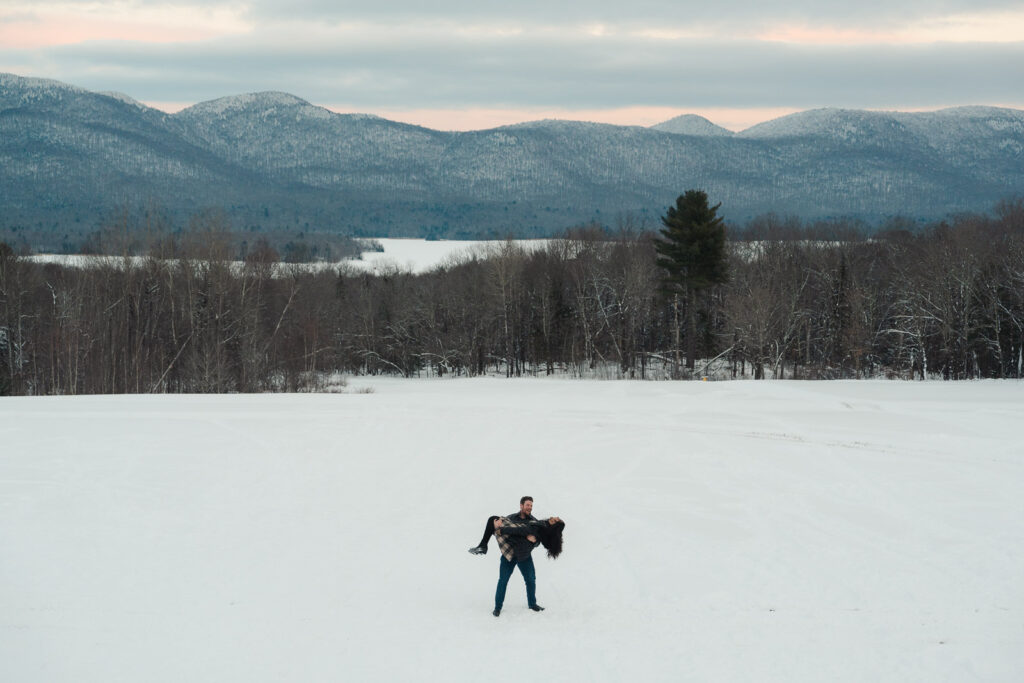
{"x": 34, "y": 34}
{"x": 481, "y": 118}
{"x": 733, "y": 119}
{"x": 27, "y": 26}
{"x": 984, "y": 27}
{"x": 167, "y": 106}
{"x": 484, "y": 118}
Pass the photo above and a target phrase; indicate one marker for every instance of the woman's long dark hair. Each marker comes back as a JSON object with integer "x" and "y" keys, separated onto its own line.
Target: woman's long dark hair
{"x": 551, "y": 538}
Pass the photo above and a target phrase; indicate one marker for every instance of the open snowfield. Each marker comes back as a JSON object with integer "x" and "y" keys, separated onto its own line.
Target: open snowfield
{"x": 734, "y": 531}
{"x": 401, "y": 254}
{"x": 417, "y": 256}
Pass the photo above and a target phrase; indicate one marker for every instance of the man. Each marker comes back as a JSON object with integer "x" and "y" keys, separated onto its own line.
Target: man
{"x": 516, "y": 540}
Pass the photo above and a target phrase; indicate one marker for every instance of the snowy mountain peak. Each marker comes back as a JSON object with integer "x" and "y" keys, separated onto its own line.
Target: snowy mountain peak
{"x": 16, "y": 90}
{"x": 842, "y": 124}
{"x": 957, "y": 130}
{"x": 975, "y": 117}
{"x": 257, "y": 102}
{"x": 9, "y": 80}
{"x": 979, "y": 111}
{"x": 691, "y": 124}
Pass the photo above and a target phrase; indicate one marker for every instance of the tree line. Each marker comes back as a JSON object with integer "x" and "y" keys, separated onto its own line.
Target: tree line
{"x": 789, "y": 301}
{"x": 138, "y": 230}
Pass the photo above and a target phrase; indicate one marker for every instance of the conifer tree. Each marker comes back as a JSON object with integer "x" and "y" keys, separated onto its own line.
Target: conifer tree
{"x": 691, "y": 251}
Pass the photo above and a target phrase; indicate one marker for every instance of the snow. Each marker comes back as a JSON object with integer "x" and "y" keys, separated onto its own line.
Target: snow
{"x": 408, "y": 255}
{"x": 691, "y": 124}
{"x": 417, "y": 255}
{"x": 839, "y": 124}
{"x": 121, "y": 97}
{"x": 765, "y": 531}
{"x": 10, "y": 80}
{"x": 224, "y": 106}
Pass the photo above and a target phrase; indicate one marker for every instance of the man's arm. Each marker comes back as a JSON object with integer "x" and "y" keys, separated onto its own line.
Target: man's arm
{"x": 527, "y": 530}
{"x": 512, "y": 529}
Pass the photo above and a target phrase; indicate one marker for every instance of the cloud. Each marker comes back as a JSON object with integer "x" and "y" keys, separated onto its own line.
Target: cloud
{"x": 647, "y": 13}
{"x": 420, "y": 70}
{"x": 28, "y": 25}
{"x": 531, "y": 56}
{"x": 678, "y": 17}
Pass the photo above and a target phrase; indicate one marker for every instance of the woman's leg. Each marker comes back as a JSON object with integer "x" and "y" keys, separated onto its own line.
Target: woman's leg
{"x": 488, "y": 532}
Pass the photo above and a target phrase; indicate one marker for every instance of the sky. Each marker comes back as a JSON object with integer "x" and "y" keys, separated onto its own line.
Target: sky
{"x": 471, "y": 64}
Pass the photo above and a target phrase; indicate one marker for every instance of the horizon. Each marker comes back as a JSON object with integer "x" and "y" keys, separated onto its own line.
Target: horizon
{"x": 456, "y": 120}
{"x": 733, "y": 120}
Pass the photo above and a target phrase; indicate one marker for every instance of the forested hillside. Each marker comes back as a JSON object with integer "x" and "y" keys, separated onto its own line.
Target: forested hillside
{"x": 71, "y": 159}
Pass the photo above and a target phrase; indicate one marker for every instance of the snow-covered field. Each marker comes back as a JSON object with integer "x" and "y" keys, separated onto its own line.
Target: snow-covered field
{"x": 421, "y": 255}
{"x": 734, "y": 531}
{"x": 408, "y": 255}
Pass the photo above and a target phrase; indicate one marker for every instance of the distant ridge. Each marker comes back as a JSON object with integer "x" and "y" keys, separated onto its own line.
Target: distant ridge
{"x": 257, "y": 100}
{"x": 691, "y": 124}
{"x": 272, "y": 160}
{"x": 956, "y": 122}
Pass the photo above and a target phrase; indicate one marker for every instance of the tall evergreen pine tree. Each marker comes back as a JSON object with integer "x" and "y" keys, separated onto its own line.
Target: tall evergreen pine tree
{"x": 692, "y": 253}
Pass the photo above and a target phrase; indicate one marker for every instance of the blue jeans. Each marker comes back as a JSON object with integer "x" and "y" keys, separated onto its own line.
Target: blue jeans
{"x": 505, "y": 573}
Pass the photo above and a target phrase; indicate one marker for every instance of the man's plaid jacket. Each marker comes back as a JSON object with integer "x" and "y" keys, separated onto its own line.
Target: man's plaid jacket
{"x": 511, "y": 536}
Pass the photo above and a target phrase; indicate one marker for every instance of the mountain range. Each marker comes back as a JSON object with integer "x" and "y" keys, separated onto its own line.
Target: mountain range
{"x": 71, "y": 157}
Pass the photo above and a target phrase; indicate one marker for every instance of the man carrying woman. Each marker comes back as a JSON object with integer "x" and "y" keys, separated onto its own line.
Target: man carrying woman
{"x": 517, "y": 535}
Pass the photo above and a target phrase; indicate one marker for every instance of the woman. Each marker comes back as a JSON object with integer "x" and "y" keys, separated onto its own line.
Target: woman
{"x": 548, "y": 533}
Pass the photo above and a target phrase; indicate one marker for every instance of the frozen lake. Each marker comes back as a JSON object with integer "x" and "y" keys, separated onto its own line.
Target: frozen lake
{"x": 411, "y": 255}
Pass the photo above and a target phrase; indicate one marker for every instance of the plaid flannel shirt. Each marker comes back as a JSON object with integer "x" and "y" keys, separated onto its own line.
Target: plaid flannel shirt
{"x": 504, "y": 542}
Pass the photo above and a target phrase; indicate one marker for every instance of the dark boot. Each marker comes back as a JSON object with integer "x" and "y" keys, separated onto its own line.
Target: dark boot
{"x": 481, "y": 548}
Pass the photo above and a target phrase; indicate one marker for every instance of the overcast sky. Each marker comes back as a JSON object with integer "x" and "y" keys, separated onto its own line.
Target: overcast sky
{"x": 460, "y": 64}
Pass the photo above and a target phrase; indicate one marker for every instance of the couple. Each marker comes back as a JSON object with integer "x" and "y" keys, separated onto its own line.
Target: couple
{"x": 518, "y": 534}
